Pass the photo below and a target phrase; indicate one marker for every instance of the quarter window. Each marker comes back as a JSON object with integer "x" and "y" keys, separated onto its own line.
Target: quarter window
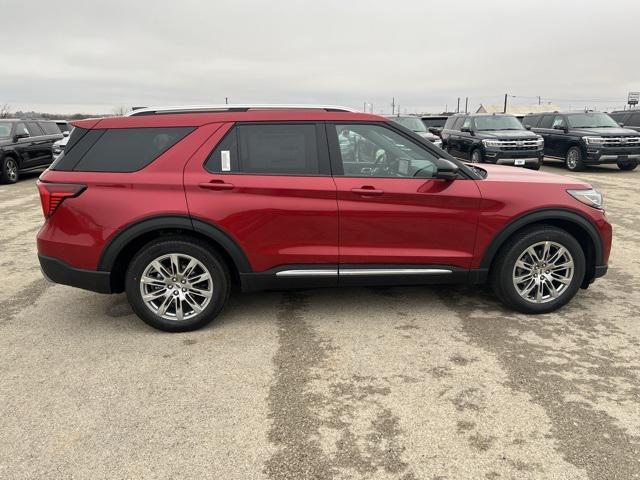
{"x": 376, "y": 151}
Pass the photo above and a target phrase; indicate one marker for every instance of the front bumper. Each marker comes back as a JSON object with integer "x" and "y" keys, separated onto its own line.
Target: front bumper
{"x": 509, "y": 157}
{"x": 595, "y": 155}
{"x": 58, "y": 271}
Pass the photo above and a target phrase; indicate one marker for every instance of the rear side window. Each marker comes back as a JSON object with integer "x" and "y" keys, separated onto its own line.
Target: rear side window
{"x": 546, "y": 121}
{"x": 267, "y": 149}
{"x": 468, "y": 123}
{"x": 634, "y": 120}
{"x": 458, "y": 123}
{"x": 34, "y": 129}
{"x": 50, "y": 128}
{"x": 531, "y": 121}
{"x": 449, "y": 123}
{"x": 117, "y": 150}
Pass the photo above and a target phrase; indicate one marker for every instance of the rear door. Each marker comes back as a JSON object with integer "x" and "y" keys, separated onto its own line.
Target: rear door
{"x": 268, "y": 186}
{"x": 24, "y": 146}
{"x": 41, "y": 145}
{"x": 396, "y": 213}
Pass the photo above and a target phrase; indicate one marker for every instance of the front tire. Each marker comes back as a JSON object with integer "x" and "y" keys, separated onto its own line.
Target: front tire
{"x": 574, "y": 160}
{"x": 177, "y": 284}
{"x": 538, "y": 270}
{"x": 9, "y": 170}
{"x": 628, "y": 165}
{"x": 476, "y": 156}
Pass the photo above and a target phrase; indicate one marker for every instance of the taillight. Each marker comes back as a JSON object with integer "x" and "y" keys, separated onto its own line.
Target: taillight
{"x": 53, "y": 194}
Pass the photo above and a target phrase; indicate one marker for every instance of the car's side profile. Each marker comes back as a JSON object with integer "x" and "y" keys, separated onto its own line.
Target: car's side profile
{"x": 25, "y": 145}
{"x": 175, "y": 205}
{"x": 582, "y": 139}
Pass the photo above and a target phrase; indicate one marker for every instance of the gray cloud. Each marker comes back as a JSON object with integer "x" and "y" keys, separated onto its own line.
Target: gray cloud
{"x": 94, "y": 56}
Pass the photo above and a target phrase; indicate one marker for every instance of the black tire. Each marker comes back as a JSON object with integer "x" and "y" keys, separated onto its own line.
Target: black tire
{"x": 9, "y": 170}
{"x": 476, "y": 156}
{"x": 628, "y": 165}
{"x": 535, "y": 166}
{"x": 503, "y": 269}
{"x": 574, "y": 160}
{"x": 194, "y": 248}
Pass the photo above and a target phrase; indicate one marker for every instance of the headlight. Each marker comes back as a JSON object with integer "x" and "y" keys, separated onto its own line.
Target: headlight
{"x": 590, "y": 197}
{"x": 491, "y": 143}
{"x": 593, "y": 140}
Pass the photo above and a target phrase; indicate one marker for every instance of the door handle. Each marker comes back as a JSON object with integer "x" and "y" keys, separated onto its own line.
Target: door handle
{"x": 367, "y": 191}
{"x": 217, "y": 185}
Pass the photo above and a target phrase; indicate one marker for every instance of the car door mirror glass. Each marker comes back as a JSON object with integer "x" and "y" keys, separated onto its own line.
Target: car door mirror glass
{"x": 466, "y": 130}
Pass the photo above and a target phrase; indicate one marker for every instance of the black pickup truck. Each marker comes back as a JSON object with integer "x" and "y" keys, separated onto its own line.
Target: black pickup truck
{"x": 581, "y": 139}
{"x": 25, "y": 145}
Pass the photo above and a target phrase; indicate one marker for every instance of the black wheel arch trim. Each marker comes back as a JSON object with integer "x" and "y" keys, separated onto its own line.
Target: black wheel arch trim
{"x": 541, "y": 216}
{"x": 157, "y": 223}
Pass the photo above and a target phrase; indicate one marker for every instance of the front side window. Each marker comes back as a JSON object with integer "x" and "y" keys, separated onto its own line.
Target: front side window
{"x": 498, "y": 122}
{"x": 276, "y": 149}
{"x": 468, "y": 123}
{"x": 547, "y": 121}
{"x": 558, "y": 121}
{"x": 377, "y": 151}
{"x": 591, "y": 120}
{"x": 21, "y": 129}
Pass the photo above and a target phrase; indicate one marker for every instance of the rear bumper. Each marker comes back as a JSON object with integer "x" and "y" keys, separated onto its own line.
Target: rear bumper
{"x": 58, "y": 271}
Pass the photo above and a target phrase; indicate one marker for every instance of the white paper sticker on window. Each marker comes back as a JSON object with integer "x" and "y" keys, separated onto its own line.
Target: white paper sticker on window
{"x": 225, "y": 158}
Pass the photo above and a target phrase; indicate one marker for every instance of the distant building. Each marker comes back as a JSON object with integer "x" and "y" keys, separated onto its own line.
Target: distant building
{"x": 518, "y": 109}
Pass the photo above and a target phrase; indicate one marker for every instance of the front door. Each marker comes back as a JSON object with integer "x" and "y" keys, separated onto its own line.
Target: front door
{"x": 268, "y": 186}
{"x": 393, "y": 211}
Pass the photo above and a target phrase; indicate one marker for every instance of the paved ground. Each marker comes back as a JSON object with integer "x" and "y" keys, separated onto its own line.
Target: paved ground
{"x": 402, "y": 383}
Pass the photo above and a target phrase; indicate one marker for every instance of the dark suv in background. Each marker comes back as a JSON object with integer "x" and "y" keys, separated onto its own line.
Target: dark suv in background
{"x": 492, "y": 138}
{"x": 586, "y": 138}
{"x": 416, "y": 125}
{"x": 627, "y": 118}
{"x": 25, "y": 145}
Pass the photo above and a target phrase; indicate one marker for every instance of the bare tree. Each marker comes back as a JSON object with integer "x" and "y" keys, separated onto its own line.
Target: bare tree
{"x": 4, "y": 110}
{"x": 120, "y": 111}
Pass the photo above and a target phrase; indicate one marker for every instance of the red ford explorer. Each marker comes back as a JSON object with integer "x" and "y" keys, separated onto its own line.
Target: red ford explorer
{"x": 174, "y": 205}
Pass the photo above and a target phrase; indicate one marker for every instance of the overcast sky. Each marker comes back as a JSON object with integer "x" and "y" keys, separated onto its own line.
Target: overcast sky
{"x": 86, "y": 56}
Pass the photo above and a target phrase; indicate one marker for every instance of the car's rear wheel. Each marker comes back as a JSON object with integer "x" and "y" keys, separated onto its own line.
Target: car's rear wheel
{"x": 9, "y": 173}
{"x": 628, "y": 165}
{"x": 476, "y": 156}
{"x": 177, "y": 284}
{"x": 538, "y": 270}
{"x": 574, "y": 159}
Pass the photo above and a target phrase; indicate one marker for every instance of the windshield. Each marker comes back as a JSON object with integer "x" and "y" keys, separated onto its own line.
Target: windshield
{"x": 591, "y": 120}
{"x": 498, "y": 122}
{"x": 412, "y": 123}
{"x": 5, "y": 129}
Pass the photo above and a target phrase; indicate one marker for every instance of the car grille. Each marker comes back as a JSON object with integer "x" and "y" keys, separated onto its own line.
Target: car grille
{"x": 509, "y": 145}
{"x": 621, "y": 141}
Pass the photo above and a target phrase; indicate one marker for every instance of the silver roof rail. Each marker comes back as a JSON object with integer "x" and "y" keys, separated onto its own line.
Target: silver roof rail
{"x": 233, "y": 108}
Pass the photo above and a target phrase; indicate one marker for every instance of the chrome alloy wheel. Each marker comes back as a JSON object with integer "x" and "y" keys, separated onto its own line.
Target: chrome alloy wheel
{"x": 476, "y": 156}
{"x": 176, "y": 286}
{"x": 543, "y": 272}
{"x": 12, "y": 170}
{"x": 572, "y": 158}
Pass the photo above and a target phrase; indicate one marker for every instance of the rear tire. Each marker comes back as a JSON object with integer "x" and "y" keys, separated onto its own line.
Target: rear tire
{"x": 9, "y": 170}
{"x": 516, "y": 270}
{"x": 628, "y": 165}
{"x": 185, "y": 286}
{"x": 574, "y": 159}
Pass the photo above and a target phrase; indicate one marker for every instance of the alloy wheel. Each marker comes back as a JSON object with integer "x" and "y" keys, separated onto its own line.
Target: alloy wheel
{"x": 12, "y": 170}
{"x": 572, "y": 159}
{"x": 176, "y": 286}
{"x": 543, "y": 272}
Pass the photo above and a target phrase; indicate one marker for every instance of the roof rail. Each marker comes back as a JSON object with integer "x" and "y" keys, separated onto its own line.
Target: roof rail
{"x": 232, "y": 108}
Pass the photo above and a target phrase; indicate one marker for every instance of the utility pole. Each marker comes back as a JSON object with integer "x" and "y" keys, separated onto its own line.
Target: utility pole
{"x": 539, "y": 100}
{"x": 364, "y": 107}
{"x": 458, "y": 107}
{"x": 505, "y": 103}
{"x": 226, "y": 100}
{"x": 393, "y": 105}
{"x": 466, "y": 105}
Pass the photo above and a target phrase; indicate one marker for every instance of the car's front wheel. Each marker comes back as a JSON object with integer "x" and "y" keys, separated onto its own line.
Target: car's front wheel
{"x": 177, "y": 284}
{"x": 538, "y": 270}
{"x": 574, "y": 159}
{"x": 476, "y": 156}
{"x": 9, "y": 170}
{"x": 627, "y": 165}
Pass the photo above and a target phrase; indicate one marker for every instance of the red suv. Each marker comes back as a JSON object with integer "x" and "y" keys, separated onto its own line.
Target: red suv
{"x": 174, "y": 205}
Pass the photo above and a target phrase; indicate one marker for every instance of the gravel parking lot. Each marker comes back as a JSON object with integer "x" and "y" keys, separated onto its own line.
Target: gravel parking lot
{"x": 378, "y": 383}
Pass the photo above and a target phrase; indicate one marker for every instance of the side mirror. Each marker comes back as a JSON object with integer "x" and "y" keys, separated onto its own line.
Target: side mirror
{"x": 466, "y": 130}
{"x": 621, "y": 124}
{"x": 559, "y": 127}
{"x": 447, "y": 170}
{"x": 528, "y": 127}
{"x": 18, "y": 136}
{"x": 437, "y": 131}
{"x": 65, "y": 134}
